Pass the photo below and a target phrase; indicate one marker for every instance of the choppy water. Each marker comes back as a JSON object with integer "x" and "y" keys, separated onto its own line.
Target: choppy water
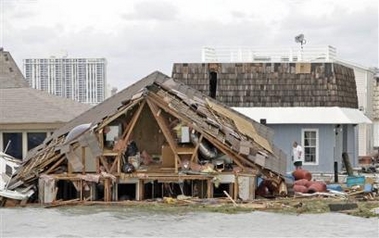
{"x": 118, "y": 221}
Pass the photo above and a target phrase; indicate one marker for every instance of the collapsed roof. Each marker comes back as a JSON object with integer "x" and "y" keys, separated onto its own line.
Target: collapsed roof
{"x": 246, "y": 142}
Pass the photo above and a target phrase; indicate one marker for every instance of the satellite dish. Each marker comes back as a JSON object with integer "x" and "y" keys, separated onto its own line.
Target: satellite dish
{"x": 300, "y": 39}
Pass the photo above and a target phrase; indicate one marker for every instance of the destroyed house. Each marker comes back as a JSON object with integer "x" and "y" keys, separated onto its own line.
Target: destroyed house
{"x": 154, "y": 139}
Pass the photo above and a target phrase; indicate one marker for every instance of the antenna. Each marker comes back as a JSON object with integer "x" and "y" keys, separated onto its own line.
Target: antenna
{"x": 300, "y": 39}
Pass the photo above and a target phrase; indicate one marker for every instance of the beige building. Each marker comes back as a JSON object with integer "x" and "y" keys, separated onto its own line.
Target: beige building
{"x": 28, "y": 115}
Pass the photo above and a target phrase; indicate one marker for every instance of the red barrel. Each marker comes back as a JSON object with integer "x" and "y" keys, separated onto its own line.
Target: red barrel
{"x": 317, "y": 187}
{"x": 300, "y": 188}
{"x": 302, "y": 182}
{"x": 302, "y": 174}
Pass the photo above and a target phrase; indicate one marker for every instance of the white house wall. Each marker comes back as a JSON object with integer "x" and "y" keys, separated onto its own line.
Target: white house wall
{"x": 376, "y": 112}
{"x": 365, "y": 87}
{"x": 366, "y": 139}
{"x": 376, "y": 134}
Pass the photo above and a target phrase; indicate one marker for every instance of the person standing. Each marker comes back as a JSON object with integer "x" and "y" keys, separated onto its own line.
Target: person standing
{"x": 297, "y": 153}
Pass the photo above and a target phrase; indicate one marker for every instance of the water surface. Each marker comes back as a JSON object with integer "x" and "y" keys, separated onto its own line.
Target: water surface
{"x": 121, "y": 221}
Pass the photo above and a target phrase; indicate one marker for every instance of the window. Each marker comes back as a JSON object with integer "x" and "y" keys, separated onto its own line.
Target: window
{"x": 17, "y": 144}
{"x": 12, "y": 144}
{"x": 310, "y": 144}
{"x": 35, "y": 139}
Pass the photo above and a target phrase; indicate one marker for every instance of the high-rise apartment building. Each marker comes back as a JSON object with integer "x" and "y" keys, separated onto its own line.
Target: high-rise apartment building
{"x": 80, "y": 79}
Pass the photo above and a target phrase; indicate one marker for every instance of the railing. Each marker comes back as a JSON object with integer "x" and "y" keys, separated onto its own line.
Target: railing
{"x": 246, "y": 54}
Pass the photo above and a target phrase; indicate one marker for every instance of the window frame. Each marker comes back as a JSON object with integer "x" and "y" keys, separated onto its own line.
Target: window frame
{"x": 317, "y": 145}
{"x": 24, "y": 135}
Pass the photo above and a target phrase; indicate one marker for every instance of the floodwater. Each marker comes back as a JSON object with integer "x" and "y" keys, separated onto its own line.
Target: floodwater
{"x": 119, "y": 221}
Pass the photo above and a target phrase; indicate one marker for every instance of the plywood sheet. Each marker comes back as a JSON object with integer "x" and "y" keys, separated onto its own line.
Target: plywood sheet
{"x": 243, "y": 125}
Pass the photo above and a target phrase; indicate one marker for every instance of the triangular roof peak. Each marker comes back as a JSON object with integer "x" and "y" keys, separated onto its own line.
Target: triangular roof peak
{"x": 10, "y": 74}
{"x": 111, "y": 105}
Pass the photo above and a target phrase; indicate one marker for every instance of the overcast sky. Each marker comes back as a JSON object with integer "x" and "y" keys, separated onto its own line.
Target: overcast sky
{"x": 139, "y": 37}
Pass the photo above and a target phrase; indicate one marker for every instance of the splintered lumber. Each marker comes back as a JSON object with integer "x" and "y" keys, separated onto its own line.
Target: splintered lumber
{"x": 55, "y": 165}
{"x": 231, "y": 199}
{"x": 120, "y": 112}
{"x": 133, "y": 123}
{"x": 62, "y": 203}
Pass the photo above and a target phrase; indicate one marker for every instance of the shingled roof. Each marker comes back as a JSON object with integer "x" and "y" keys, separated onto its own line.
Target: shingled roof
{"x": 27, "y": 105}
{"x": 281, "y": 84}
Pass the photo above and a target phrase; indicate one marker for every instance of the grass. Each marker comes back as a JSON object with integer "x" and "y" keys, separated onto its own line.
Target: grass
{"x": 279, "y": 205}
{"x": 311, "y": 205}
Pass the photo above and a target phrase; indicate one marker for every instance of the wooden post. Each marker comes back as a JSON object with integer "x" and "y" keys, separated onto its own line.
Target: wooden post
{"x": 107, "y": 190}
{"x": 81, "y": 190}
{"x": 234, "y": 202}
{"x": 235, "y": 187}
{"x": 347, "y": 163}
{"x": 209, "y": 188}
{"x": 84, "y": 160}
{"x": 141, "y": 189}
{"x": 231, "y": 190}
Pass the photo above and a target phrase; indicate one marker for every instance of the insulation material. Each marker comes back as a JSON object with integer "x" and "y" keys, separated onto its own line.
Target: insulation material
{"x": 246, "y": 187}
{"x": 245, "y": 147}
{"x": 47, "y": 189}
{"x": 90, "y": 140}
{"x": 90, "y": 177}
{"x": 74, "y": 161}
{"x": 258, "y": 159}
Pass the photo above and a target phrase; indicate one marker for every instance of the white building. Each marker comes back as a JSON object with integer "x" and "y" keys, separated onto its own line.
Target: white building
{"x": 364, "y": 77}
{"x": 376, "y": 111}
{"x": 80, "y": 79}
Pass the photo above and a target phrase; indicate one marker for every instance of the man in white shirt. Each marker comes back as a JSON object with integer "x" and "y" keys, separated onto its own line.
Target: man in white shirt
{"x": 297, "y": 153}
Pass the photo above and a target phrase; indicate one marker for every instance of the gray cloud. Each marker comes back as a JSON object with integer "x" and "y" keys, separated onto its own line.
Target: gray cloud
{"x": 152, "y": 10}
{"x": 157, "y": 38}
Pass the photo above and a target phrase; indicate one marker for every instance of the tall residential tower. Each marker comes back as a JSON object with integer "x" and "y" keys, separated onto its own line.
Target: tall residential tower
{"x": 80, "y": 79}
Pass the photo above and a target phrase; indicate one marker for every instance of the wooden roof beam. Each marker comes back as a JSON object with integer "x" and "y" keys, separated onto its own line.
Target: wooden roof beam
{"x": 166, "y": 132}
{"x": 220, "y": 145}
